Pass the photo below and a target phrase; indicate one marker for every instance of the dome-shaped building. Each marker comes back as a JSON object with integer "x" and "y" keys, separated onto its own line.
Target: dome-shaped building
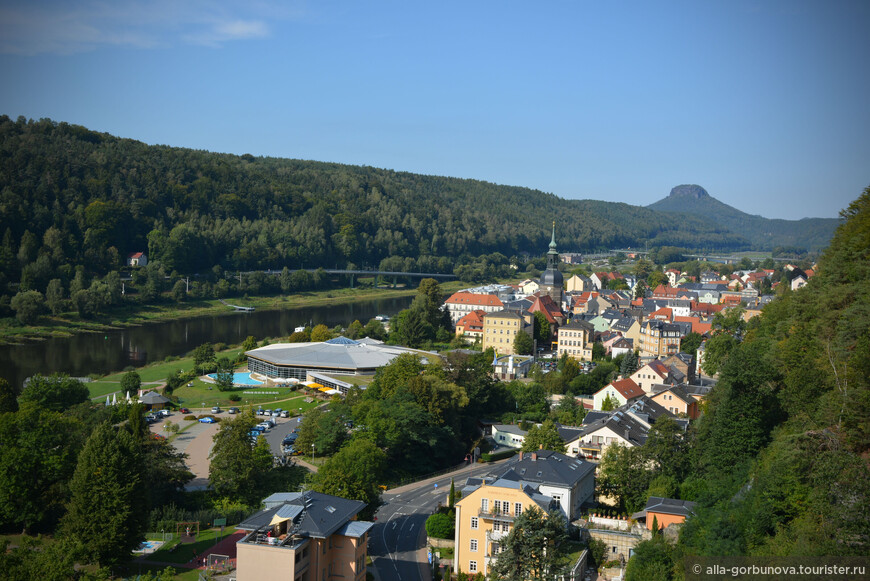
{"x": 551, "y": 279}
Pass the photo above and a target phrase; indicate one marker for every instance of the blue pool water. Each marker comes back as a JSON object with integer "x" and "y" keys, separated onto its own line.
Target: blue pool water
{"x": 240, "y": 379}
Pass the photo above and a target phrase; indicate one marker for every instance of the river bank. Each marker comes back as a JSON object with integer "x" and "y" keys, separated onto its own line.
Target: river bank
{"x": 69, "y": 324}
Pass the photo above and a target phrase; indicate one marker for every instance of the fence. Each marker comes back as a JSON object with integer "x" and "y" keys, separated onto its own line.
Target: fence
{"x": 413, "y": 479}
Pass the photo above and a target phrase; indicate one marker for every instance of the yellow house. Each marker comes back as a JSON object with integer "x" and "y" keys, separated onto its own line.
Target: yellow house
{"x": 484, "y": 517}
{"x": 501, "y": 328}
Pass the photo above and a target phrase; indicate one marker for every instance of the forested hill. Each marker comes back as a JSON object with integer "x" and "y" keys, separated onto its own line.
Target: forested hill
{"x": 86, "y": 198}
{"x": 762, "y": 233}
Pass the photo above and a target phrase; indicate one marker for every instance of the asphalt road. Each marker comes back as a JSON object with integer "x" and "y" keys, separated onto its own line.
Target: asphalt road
{"x": 397, "y": 543}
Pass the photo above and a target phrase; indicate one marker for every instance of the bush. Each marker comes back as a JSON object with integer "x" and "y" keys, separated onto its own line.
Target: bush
{"x": 235, "y": 397}
{"x": 440, "y": 526}
{"x": 190, "y": 417}
{"x": 498, "y": 455}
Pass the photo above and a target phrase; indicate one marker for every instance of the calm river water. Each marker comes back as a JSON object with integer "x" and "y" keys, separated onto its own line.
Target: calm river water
{"x": 105, "y": 352}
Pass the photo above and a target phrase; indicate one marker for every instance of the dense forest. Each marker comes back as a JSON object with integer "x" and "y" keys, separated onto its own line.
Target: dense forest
{"x": 763, "y": 233}
{"x": 778, "y": 462}
{"x": 70, "y": 197}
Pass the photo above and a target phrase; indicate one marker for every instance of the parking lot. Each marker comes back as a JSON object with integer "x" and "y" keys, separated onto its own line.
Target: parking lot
{"x": 196, "y": 440}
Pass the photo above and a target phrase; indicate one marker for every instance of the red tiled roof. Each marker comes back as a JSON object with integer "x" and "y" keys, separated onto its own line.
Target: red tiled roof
{"x": 472, "y": 319}
{"x": 665, "y": 313}
{"x": 627, "y": 388}
{"x": 136, "y": 255}
{"x": 697, "y": 326}
{"x": 474, "y": 299}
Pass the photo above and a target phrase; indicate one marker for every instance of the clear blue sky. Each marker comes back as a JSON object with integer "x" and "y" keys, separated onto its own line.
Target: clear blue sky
{"x": 765, "y": 104}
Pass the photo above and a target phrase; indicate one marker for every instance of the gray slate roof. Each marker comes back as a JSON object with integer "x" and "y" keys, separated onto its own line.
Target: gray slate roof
{"x": 315, "y": 514}
{"x": 550, "y": 468}
{"x": 670, "y": 506}
{"x": 345, "y": 355}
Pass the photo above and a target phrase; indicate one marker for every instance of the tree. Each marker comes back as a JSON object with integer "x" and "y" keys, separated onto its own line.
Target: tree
{"x": 353, "y": 472}
{"x": 609, "y": 404}
{"x": 56, "y": 392}
{"x": 28, "y": 305}
{"x": 324, "y": 429}
{"x": 203, "y": 358}
{"x": 666, "y": 448}
{"x": 107, "y": 510}
{"x": 541, "y": 328}
{"x": 54, "y": 296}
{"x": 179, "y": 291}
{"x": 652, "y": 561}
{"x": 523, "y": 344}
{"x": 535, "y": 548}
{"x": 8, "y": 397}
{"x": 545, "y": 437}
{"x": 249, "y": 344}
{"x": 451, "y": 496}
{"x": 224, "y": 376}
{"x": 238, "y": 467}
{"x": 623, "y": 474}
{"x": 37, "y": 460}
{"x": 716, "y": 351}
{"x": 441, "y": 526}
{"x": 320, "y": 333}
{"x": 629, "y": 364}
{"x": 130, "y": 381}
{"x": 690, "y": 343}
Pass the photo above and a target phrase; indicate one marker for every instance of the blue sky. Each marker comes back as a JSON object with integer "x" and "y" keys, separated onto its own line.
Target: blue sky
{"x": 763, "y": 103}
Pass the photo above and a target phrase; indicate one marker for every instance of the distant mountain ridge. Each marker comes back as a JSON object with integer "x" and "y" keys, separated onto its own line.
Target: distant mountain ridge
{"x": 762, "y": 233}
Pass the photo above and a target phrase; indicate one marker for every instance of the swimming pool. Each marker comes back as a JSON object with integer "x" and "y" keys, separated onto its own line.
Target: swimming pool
{"x": 240, "y": 379}
{"x": 149, "y": 546}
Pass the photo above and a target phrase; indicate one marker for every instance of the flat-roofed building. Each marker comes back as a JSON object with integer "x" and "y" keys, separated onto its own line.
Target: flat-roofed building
{"x": 340, "y": 356}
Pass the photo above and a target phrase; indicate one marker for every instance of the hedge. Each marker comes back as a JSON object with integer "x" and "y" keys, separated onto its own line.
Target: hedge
{"x": 498, "y": 455}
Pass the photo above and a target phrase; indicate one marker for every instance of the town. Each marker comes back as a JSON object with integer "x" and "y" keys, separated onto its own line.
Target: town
{"x": 562, "y": 411}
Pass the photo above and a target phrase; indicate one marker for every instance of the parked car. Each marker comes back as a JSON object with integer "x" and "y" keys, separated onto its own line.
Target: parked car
{"x": 259, "y": 428}
{"x": 285, "y": 414}
{"x": 184, "y": 411}
{"x": 264, "y": 426}
{"x": 233, "y": 410}
{"x": 260, "y": 412}
{"x": 216, "y": 410}
{"x": 151, "y": 418}
{"x": 267, "y": 413}
{"x": 207, "y": 420}
{"x": 164, "y": 413}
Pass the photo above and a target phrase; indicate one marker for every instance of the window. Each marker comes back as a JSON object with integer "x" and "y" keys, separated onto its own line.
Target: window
{"x": 484, "y": 504}
{"x": 613, "y": 549}
{"x": 474, "y": 522}
{"x": 496, "y": 506}
{"x": 472, "y": 566}
{"x": 496, "y": 525}
{"x": 518, "y": 507}
{"x": 474, "y": 545}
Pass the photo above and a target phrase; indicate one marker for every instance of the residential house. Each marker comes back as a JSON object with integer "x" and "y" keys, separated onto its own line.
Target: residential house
{"x": 602, "y": 279}
{"x": 485, "y": 516}
{"x": 500, "y": 330}
{"x": 710, "y": 276}
{"x": 676, "y": 400}
{"x": 659, "y": 339}
{"x": 471, "y": 325}
{"x": 665, "y": 512}
{"x": 673, "y": 276}
{"x": 303, "y": 536}
{"x": 629, "y": 327}
{"x": 569, "y": 481}
{"x": 603, "y": 429}
{"x": 685, "y": 362}
{"x": 461, "y": 303}
{"x": 529, "y": 286}
{"x": 579, "y": 283}
{"x": 654, "y": 372}
{"x": 621, "y": 390}
{"x": 137, "y": 259}
{"x": 621, "y": 346}
{"x": 508, "y": 435}
{"x": 575, "y": 339}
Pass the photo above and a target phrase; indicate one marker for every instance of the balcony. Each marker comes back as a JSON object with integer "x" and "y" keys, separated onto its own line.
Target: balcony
{"x": 495, "y": 535}
{"x": 491, "y": 514}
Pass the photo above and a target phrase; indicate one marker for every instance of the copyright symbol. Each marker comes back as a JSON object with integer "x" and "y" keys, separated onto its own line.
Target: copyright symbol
{"x": 696, "y": 569}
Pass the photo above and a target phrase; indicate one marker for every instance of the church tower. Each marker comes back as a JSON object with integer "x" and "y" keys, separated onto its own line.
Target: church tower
{"x": 551, "y": 279}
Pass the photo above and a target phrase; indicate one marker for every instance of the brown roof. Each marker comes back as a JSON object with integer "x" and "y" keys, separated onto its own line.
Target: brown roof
{"x": 472, "y": 319}
{"x": 475, "y": 299}
{"x": 627, "y": 388}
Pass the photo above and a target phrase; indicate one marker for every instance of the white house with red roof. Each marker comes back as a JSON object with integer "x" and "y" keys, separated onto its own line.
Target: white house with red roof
{"x": 137, "y": 259}
{"x": 471, "y": 325}
{"x": 461, "y": 303}
{"x": 653, "y": 373}
{"x": 622, "y": 390}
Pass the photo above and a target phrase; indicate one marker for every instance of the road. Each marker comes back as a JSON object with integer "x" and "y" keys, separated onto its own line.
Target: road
{"x": 397, "y": 542}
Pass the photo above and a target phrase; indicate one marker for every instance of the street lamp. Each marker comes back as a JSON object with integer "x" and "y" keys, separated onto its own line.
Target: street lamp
{"x": 312, "y": 453}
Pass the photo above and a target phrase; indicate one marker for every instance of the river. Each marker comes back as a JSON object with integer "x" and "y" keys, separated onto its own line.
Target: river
{"x": 105, "y": 352}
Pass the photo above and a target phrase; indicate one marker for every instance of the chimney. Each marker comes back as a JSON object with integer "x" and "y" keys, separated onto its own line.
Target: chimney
{"x": 534, "y": 456}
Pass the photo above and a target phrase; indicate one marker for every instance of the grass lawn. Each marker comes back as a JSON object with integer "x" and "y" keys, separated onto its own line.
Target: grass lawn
{"x": 183, "y": 553}
{"x": 140, "y": 568}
